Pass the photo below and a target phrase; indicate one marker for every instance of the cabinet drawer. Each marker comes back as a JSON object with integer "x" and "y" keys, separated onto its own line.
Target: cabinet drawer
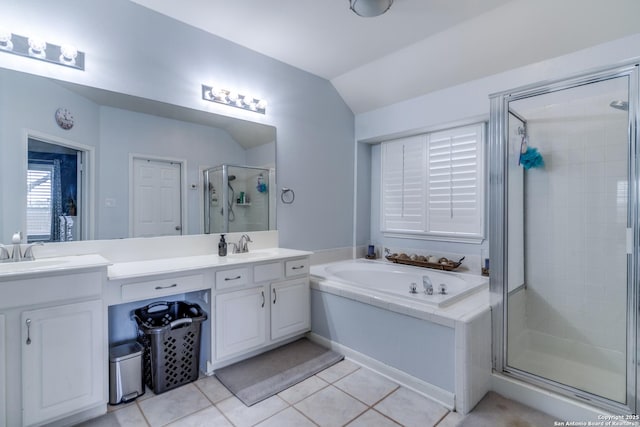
{"x": 162, "y": 287}
{"x": 296, "y": 267}
{"x": 231, "y": 278}
{"x": 265, "y": 272}
{"x": 39, "y": 290}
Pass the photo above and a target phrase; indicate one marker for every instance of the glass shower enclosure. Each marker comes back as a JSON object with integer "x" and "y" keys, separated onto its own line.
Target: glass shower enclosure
{"x": 237, "y": 199}
{"x": 565, "y": 236}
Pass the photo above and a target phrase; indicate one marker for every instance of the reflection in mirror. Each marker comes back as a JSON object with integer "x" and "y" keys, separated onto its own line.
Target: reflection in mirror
{"x": 54, "y": 192}
{"x": 237, "y": 198}
{"x": 116, "y": 129}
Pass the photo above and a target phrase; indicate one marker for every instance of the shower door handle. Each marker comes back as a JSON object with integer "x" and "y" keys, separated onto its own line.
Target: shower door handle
{"x": 178, "y": 227}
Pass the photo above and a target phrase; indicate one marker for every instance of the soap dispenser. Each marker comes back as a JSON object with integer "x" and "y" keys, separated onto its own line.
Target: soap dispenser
{"x": 222, "y": 246}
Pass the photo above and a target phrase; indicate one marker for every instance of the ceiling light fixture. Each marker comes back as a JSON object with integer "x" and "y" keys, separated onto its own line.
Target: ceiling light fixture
{"x": 38, "y": 48}
{"x": 234, "y": 99}
{"x": 369, "y": 8}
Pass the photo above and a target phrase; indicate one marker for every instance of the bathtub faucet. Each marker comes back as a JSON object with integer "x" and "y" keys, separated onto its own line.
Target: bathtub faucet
{"x": 428, "y": 286}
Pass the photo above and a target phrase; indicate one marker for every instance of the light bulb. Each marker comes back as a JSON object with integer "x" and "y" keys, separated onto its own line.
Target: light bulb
{"x": 221, "y": 96}
{"x": 248, "y": 100}
{"x": 69, "y": 52}
{"x": 262, "y": 104}
{"x": 5, "y": 36}
{"x": 37, "y": 45}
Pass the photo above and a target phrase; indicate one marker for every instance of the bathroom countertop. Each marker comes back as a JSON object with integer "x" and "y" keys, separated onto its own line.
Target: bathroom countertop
{"x": 134, "y": 269}
{"x": 54, "y": 265}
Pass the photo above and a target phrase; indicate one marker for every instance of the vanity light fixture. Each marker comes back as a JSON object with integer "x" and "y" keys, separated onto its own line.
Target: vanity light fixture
{"x": 234, "y": 99}
{"x": 38, "y": 48}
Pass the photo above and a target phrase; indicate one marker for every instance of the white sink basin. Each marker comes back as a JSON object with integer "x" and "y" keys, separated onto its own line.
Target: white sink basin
{"x": 44, "y": 265}
{"x": 35, "y": 265}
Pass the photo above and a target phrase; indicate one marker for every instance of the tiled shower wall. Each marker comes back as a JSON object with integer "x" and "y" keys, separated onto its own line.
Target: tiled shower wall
{"x": 576, "y": 216}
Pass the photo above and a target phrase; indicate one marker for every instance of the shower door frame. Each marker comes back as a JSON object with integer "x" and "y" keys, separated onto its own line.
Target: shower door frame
{"x": 498, "y": 226}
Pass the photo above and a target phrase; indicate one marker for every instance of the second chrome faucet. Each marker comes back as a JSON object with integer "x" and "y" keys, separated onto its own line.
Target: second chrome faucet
{"x": 17, "y": 254}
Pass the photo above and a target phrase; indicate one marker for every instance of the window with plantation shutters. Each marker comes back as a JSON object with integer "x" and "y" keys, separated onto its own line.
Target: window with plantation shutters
{"x": 433, "y": 185}
{"x": 403, "y": 179}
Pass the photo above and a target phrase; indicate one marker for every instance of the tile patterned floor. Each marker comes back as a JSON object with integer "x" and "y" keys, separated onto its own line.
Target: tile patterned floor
{"x": 345, "y": 394}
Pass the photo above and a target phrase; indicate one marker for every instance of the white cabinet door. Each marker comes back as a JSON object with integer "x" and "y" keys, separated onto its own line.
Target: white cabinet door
{"x": 240, "y": 321}
{"x": 3, "y": 367}
{"x": 62, "y": 360}
{"x": 290, "y": 307}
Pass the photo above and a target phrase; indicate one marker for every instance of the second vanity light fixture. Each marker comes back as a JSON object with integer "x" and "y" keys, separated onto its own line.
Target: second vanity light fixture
{"x": 38, "y": 48}
{"x": 234, "y": 99}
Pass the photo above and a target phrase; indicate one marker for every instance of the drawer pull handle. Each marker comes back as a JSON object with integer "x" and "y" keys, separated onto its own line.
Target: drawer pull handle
{"x": 232, "y": 278}
{"x": 175, "y": 285}
{"x": 262, "y": 299}
{"x": 28, "y": 322}
{"x": 275, "y": 296}
{"x": 298, "y": 267}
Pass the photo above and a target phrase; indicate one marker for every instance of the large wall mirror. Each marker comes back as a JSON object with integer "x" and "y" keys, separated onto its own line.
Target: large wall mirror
{"x": 79, "y": 163}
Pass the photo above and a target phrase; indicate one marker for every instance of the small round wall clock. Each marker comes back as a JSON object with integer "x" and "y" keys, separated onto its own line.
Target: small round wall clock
{"x": 64, "y": 118}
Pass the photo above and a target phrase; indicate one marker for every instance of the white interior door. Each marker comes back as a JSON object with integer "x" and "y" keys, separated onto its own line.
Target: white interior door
{"x": 157, "y": 198}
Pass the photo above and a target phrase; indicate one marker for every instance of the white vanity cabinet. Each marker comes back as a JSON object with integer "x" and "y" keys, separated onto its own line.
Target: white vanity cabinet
{"x": 290, "y": 307}
{"x": 62, "y": 360}
{"x": 259, "y": 305}
{"x": 52, "y": 341}
{"x": 240, "y": 321}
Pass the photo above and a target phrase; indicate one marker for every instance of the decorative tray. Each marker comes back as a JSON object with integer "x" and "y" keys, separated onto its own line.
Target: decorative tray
{"x": 443, "y": 264}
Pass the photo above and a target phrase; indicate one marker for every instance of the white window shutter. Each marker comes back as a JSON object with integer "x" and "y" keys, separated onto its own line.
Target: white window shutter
{"x": 403, "y": 185}
{"x": 455, "y": 182}
{"x": 39, "y": 201}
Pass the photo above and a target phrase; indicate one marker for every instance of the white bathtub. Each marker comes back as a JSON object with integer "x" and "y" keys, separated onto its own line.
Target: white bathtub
{"x": 439, "y": 345}
{"x": 397, "y": 280}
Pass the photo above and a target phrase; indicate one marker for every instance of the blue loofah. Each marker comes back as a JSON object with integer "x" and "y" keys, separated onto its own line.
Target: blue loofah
{"x": 531, "y": 159}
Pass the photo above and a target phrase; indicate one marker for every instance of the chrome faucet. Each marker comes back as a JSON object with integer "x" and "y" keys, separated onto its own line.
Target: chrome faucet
{"x": 427, "y": 285}
{"x": 4, "y": 254}
{"x": 242, "y": 244}
{"x": 16, "y": 253}
{"x": 28, "y": 252}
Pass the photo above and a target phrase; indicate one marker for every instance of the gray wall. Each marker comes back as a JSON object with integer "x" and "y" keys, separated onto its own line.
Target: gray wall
{"x": 135, "y": 51}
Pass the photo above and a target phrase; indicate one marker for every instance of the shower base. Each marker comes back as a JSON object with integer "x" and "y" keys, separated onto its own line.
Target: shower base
{"x": 589, "y": 368}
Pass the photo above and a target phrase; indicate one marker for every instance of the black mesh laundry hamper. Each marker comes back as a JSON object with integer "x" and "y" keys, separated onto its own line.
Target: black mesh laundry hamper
{"x": 170, "y": 335}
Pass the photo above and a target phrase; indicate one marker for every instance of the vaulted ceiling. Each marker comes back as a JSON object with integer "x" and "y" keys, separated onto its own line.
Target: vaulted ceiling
{"x": 417, "y": 47}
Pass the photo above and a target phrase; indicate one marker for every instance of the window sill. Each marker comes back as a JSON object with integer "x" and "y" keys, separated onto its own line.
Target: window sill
{"x": 476, "y": 240}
